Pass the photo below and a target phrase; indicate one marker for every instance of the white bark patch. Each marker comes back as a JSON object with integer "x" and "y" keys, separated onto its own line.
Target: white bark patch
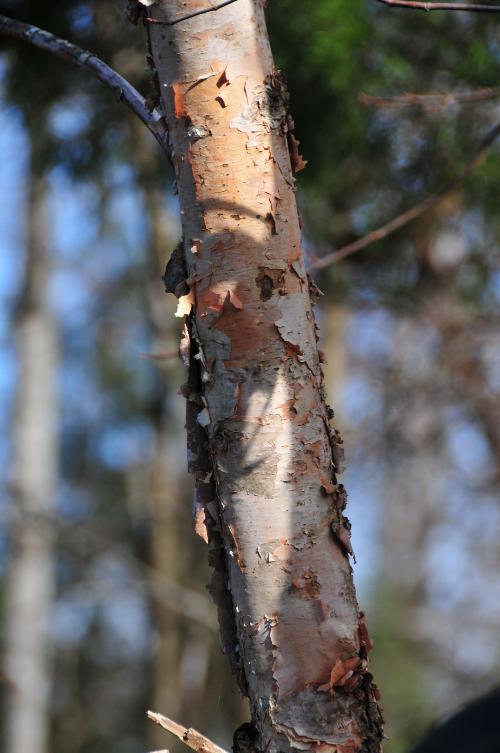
{"x": 203, "y": 418}
{"x": 148, "y": 3}
{"x": 266, "y": 113}
{"x": 195, "y": 133}
{"x": 294, "y": 330}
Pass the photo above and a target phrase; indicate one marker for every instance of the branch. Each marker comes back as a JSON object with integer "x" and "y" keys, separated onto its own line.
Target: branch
{"x": 189, "y": 736}
{"x": 411, "y": 214}
{"x": 87, "y": 61}
{"x": 191, "y": 15}
{"x": 473, "y": 7}
{"x": 433, "y": 99}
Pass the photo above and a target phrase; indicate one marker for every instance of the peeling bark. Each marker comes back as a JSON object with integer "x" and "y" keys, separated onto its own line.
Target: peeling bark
{"x": 260, "y": 443}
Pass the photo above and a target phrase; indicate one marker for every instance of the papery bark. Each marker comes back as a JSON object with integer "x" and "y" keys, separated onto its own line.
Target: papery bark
{"x": 261, "y": 444}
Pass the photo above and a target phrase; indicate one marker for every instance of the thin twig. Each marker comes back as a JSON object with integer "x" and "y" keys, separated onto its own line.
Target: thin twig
{"x": 188, "y": 735}
{"x": 473, "y": 7}
{"x": 432, "y": 99}
{"x": 88, "y": 61}
{"x": 411, "y": 214}
{"x": 191, "y": 15}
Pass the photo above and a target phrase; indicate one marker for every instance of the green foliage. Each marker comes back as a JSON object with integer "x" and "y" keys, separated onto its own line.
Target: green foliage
{"x": 333, "y": 50}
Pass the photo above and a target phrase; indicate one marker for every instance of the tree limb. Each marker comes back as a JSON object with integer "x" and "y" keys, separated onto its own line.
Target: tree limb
{"x": 413, "y": 4}
{"x": 432, "y": 99}
{"x": 190, "y": 15}
{"x": 87, "y": 61}
{"x": 411, "y": 214}
{"x": 190, "y": 737}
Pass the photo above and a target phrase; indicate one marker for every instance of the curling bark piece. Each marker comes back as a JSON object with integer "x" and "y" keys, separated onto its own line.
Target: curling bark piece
{"x": 301, "y": 641}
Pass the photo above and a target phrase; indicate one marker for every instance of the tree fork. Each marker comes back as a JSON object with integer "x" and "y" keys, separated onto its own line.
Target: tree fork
{"x": 260, "y": 441}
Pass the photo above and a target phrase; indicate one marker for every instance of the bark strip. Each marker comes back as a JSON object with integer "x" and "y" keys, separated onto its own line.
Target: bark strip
{"x": 261, "y": 444}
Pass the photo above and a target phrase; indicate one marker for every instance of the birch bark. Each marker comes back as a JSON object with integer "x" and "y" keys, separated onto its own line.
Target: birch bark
{"x": 260, "y": 441}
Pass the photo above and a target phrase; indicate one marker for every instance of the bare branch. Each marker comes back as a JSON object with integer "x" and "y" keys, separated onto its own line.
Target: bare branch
{"x": 87, "y": 61}
{"x": 189, "y": 736}
{"x": 413, "y": 4}
{"x": 191, "y": 15}
{"x": 411, "y": 214}
{"x": 432, "y": 99}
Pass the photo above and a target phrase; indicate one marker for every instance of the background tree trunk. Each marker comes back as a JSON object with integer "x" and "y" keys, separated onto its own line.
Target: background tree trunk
{"x": 266, "y": 482}
{"x": 30, "y": 584}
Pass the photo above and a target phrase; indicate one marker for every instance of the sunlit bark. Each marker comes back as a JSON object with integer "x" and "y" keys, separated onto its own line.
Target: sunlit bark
{"x": 260, "y": 440}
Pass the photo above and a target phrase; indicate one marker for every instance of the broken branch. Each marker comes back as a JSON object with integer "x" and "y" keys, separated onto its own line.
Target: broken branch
{"x": 193, "y": 739}
{"x": 411, "y": 214}
{"x": 86, "y": 60}
{"x": 473, "y": 7}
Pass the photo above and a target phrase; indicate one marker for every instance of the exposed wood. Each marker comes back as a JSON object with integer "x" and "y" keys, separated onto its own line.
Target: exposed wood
{"x": 193, "y": 739}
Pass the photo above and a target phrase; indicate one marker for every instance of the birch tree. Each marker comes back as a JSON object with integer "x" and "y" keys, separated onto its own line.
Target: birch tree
{"x": 260, "y": 442}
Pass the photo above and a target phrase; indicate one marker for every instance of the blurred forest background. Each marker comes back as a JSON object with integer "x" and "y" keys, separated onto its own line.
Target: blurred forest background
{"x": 103, "y": 608}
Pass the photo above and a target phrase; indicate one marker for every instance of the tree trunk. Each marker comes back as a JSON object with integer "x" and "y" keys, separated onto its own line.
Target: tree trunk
{"x": 260, "y": 441}
{"x": 30, "y": 582}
